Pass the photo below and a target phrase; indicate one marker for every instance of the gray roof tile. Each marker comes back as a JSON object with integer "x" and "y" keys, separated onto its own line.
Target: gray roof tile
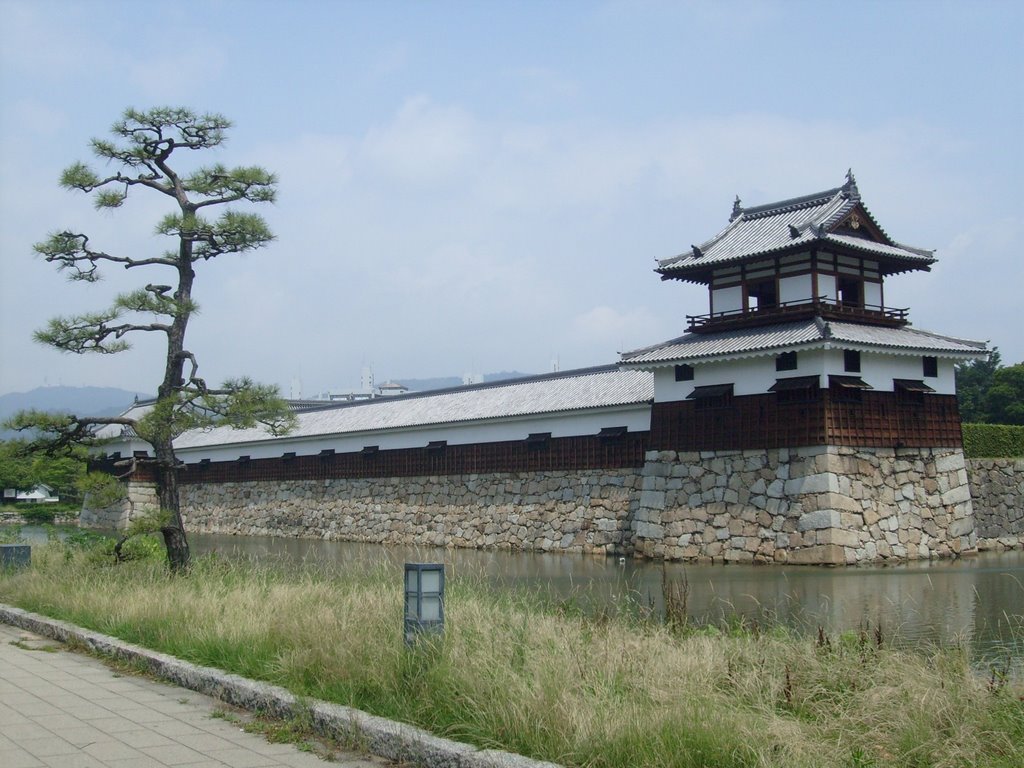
{"x": 770, "y": 229}
{"x": 589, "y": 388}
{"x": 695, "y": 346}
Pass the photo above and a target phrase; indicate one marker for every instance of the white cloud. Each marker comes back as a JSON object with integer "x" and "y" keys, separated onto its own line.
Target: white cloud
{"x": 613, "y": 329}
{"x": 425, "y": 144}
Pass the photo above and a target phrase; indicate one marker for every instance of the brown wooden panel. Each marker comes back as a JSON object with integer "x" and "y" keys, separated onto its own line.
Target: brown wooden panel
{"x": 879, "y": 419}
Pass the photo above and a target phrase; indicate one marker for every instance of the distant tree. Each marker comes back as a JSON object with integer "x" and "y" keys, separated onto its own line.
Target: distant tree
{"x": 1006, "y": 396}
{"x": 22, "y": 469}
{"x": 145, "y": 153}
{"x": 15, "y": 466}
{"x": 974, "y": 379}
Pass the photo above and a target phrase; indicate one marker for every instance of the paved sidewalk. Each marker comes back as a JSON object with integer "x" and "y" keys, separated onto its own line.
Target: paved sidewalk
{"x": 68, "y": 710}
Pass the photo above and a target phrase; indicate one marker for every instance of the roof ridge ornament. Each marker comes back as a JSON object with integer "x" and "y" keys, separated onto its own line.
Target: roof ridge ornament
{"x": 850, "y": 190}
{"x": 737, "y": 209}
{"x": 823, "y": 327}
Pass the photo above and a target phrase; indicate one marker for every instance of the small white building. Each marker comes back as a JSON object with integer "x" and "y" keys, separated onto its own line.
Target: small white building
{"x": 39, "y": 494}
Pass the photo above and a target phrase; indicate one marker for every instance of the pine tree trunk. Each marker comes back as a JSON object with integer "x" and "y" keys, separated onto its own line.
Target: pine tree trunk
{"x": 175, "y": 541}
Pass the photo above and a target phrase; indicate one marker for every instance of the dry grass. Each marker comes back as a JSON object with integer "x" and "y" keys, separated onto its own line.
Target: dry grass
{"x": 519, "y": 673}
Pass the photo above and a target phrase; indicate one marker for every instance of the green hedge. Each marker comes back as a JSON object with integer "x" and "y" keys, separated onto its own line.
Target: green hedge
{"x": 993, "y": 441}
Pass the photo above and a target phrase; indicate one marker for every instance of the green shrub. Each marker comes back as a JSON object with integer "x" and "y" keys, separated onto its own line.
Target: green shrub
{"x": 37, "y": 514}
{"x": 993, "y": 441}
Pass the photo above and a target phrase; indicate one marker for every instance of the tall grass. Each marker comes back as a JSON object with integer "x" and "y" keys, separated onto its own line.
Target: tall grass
{"x": 517, "y": 672}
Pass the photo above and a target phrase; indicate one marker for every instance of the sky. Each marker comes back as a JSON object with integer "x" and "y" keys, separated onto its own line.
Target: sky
{"x": 471, "y": 187}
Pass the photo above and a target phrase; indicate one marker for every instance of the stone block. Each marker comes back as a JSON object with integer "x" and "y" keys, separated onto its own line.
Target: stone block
{"x": 950, "y": 462}
{"x": 823, "y": 482}
{"x": 957, "y": 495}
{"x": 821, "y": 554}
{"x": 961, "y": 527}
{"x": 821, "y": 518}
{"x": 839, "y": 536}
{"x": 652, "y": 499}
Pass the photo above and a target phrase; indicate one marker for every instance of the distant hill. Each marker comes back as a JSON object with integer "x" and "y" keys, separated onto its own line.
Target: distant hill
{"x": 81, "y": 401}
{"x": 444, "y": 382}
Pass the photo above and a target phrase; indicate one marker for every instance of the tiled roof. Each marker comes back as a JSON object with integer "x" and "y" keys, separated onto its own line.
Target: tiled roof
{"x": 607, "y": 386}
{"x": 812, "y": 332}
{"x": 905, "y": 338}
{"x": 790, "y": 225}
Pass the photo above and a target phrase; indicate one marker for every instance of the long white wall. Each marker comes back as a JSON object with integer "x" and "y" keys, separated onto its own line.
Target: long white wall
{"x": 637, "y": 418}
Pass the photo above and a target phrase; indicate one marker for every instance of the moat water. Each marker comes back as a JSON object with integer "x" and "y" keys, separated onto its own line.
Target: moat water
{"x": 976, "y": 601}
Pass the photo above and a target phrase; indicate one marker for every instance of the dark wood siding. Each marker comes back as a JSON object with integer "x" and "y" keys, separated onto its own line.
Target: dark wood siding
{"x": 880, "y": 419}
{"x": 566, "y": 453}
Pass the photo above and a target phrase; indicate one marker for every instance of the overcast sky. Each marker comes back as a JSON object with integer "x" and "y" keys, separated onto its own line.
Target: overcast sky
{"x": 475, "y": 187}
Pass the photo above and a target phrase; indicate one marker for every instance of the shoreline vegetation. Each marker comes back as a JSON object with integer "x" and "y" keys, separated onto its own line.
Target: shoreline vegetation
{"x": 519, "y": 671}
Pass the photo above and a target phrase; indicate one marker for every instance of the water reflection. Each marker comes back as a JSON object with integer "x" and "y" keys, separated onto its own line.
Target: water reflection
{"x": 978, "y": 601}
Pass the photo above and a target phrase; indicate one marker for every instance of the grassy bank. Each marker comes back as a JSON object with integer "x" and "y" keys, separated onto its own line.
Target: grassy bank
{"x": 519, "y": 673}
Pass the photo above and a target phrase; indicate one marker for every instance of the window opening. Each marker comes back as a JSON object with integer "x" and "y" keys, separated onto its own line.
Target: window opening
{"x": 537, "y": 441}
{"x": 847, "y": 389}
{"x": 910, "y": 391}
{"x": 851, "y": 361}
{"x": 851, "y": 291}
{"x": 762, "y": 294}
{"x": 800, "y": 389}
{"x": 786, "y": 361}
{"x": 930, "y": 366}
{"x": 714, "y": 396}
{"x": 684, "y": 372}
{"x": 612, "y": 433}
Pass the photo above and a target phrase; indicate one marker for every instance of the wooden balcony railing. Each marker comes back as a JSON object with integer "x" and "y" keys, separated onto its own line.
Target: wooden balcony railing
{"x": 873, "y": 314}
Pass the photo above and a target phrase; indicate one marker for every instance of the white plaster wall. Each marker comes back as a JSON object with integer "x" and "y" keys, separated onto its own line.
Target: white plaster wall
{"x": 752, "y": 376}
{"x": 879, "y": 370}
{"x": 796, "y": 288}
{"x": 827, "y": 287}
{"x": 756, "y": 375}
{"x": 637, "y": 418}
{"x": 727, "y": 299}
{"x": 872, "y": 294}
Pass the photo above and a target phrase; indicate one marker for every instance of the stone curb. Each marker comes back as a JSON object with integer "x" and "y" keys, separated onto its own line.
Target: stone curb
{"x": 376, "y": 735}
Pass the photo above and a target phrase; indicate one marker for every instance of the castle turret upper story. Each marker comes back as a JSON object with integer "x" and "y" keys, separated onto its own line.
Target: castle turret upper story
{"x": 799, "y": 346}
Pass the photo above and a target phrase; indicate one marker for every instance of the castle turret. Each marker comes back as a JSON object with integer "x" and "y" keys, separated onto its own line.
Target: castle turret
{"x": 799, "y": 350}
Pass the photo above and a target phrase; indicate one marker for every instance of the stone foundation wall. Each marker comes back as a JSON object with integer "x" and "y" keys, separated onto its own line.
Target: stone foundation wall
{"x": 997, "y": 487}
{"x": 579, "y": 511}
{"x": 10, "y": 516}
{"x": 140, "y": 500}
{"x": 825, "y": 504}
{"x": 818, "y": 505}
